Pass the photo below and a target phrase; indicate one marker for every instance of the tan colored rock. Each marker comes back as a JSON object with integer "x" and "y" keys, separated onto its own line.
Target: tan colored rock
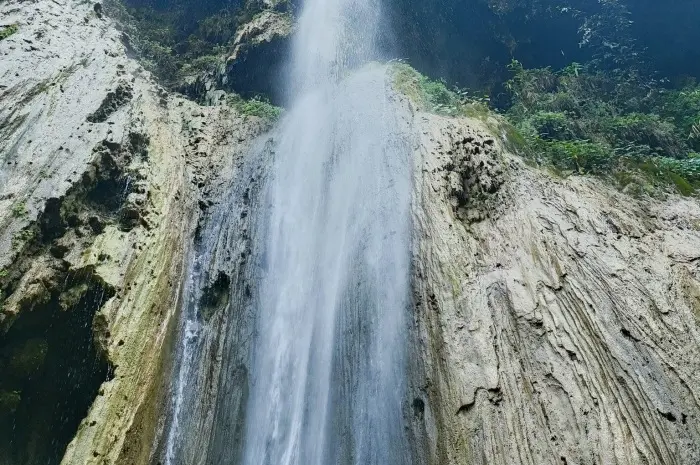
{"x": 75, "y": 111}
{"x": 557, "y": 319}
{"x": 266, "y": 26}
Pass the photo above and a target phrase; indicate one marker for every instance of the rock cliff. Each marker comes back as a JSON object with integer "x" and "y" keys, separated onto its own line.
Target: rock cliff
{"x": 555, "y": 320}
{"x": 103, "y": 178}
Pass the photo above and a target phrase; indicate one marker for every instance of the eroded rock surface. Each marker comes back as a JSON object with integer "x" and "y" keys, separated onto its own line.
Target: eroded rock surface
{"x": 557, "y": 319}
{"x": 103, "y": 178}
{"x": 255, "y": 60}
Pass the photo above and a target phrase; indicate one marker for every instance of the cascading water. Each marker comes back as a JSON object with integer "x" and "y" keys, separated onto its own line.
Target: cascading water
{"x": 302, "y": 362}
{"x": 327, "y": 367}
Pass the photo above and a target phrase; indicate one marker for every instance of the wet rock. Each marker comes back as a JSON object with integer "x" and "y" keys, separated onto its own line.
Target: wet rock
{"x": 258, "y": 56}
{"x": 215, "y": 297}
{"x": 254, "y": 64}
{"x": 106, "y": 206}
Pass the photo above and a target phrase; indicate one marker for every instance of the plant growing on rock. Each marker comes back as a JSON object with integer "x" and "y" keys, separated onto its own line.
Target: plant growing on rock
{"x": 19, "y": 210}
{"x": 257, "y": 106}
{"x": 7, "y": 31}
{"x": 434, "y": 96}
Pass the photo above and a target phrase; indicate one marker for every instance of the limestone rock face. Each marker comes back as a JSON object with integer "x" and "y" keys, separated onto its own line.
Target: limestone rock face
{"x": 556, "y": 321}
{"x": 254, "y": 62}
{"x": 267, "y": 26}
{"x": 258, "y": 54}
{"x": 103, "y": 177}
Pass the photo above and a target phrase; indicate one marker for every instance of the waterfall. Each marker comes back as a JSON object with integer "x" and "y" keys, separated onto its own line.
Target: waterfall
{"x": 306, "y": 366}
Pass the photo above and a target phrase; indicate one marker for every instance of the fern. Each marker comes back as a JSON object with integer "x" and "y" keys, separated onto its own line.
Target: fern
{"x": 695, "y": 131}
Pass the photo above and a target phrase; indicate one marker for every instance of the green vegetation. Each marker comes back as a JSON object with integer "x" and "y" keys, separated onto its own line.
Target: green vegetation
{"x": 257, "y": 106}
{"x": 602, "y": 106}
{"x": 22, "y": 237}
{"x": 434, "y": 96}
{"x": 7, "y": 31}
{"x": 181, "y": 38}
{"x": 582, "y": 121}
{"x": 587, "y": 121}
{"x": 605, "y": 90}
{"x": 19, "y": 210}
{"x": 426, "y": 94}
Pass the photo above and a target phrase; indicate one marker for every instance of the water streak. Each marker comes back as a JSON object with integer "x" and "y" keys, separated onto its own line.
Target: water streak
{"x": 325, "y": 374}
{"x": 328, "y": 371}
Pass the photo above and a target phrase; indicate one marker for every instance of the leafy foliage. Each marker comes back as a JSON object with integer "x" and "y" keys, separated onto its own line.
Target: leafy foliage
{"x": 182, "y": 38}
{"x": 19, "y": 210}
{"x": 257, "y": 106}
{"x": 428, "y": 95}
{"x": 588, "y": 121}
{"x": 434, "y": 96}
{"x": 682, "y": 106}
{"x": 7, "y": 31}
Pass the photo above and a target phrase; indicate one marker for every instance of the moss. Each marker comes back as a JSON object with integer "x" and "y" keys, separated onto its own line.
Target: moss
{"x": 514, "y": 140}
{"x": 426, "y": 94}
{"x": 22, "y": 237}
{"x": 407, "y": 81}
{"x": 434, "y": 96}
{"x": 476, "y": 110}
{"x": 7, "y": 31}
{"x": 682, "y": 184}
{"x": 70, "y": 297}
{"x": 178, "y": 39}
{"x": 49, "y": 355}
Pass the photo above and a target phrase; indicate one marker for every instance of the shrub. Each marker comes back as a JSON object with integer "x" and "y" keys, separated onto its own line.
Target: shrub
{"x": 7, "y": 31}
{"x": 256, "y": 106}
{"x": 434, "y": 96}
{"x": 583, "y": 120}
{"x": 648, "y": 130}
{"x": 578, "y": 156}
{"x": 552, "y": 125}
{"x": 19, "y": 210}
{"x": 682, "y": 107}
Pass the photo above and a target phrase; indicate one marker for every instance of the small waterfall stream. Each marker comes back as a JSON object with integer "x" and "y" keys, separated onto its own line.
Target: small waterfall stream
{"x": 293, "y": 341}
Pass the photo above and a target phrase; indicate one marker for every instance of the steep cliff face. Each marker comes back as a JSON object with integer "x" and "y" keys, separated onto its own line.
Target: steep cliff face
{"x": 557, "y": 319}
{"x": 103, "y": 178}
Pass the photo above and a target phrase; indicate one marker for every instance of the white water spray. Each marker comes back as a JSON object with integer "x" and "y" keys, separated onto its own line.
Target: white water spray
{"x": 329, "y": 366}
{"x": 326, "y": 374}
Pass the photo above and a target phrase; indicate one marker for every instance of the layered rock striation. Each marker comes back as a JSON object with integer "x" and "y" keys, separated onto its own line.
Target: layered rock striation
{"x": 556, "y": 319}
{"x": 103, "y": 178}
{"x": 553, "y": 320}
